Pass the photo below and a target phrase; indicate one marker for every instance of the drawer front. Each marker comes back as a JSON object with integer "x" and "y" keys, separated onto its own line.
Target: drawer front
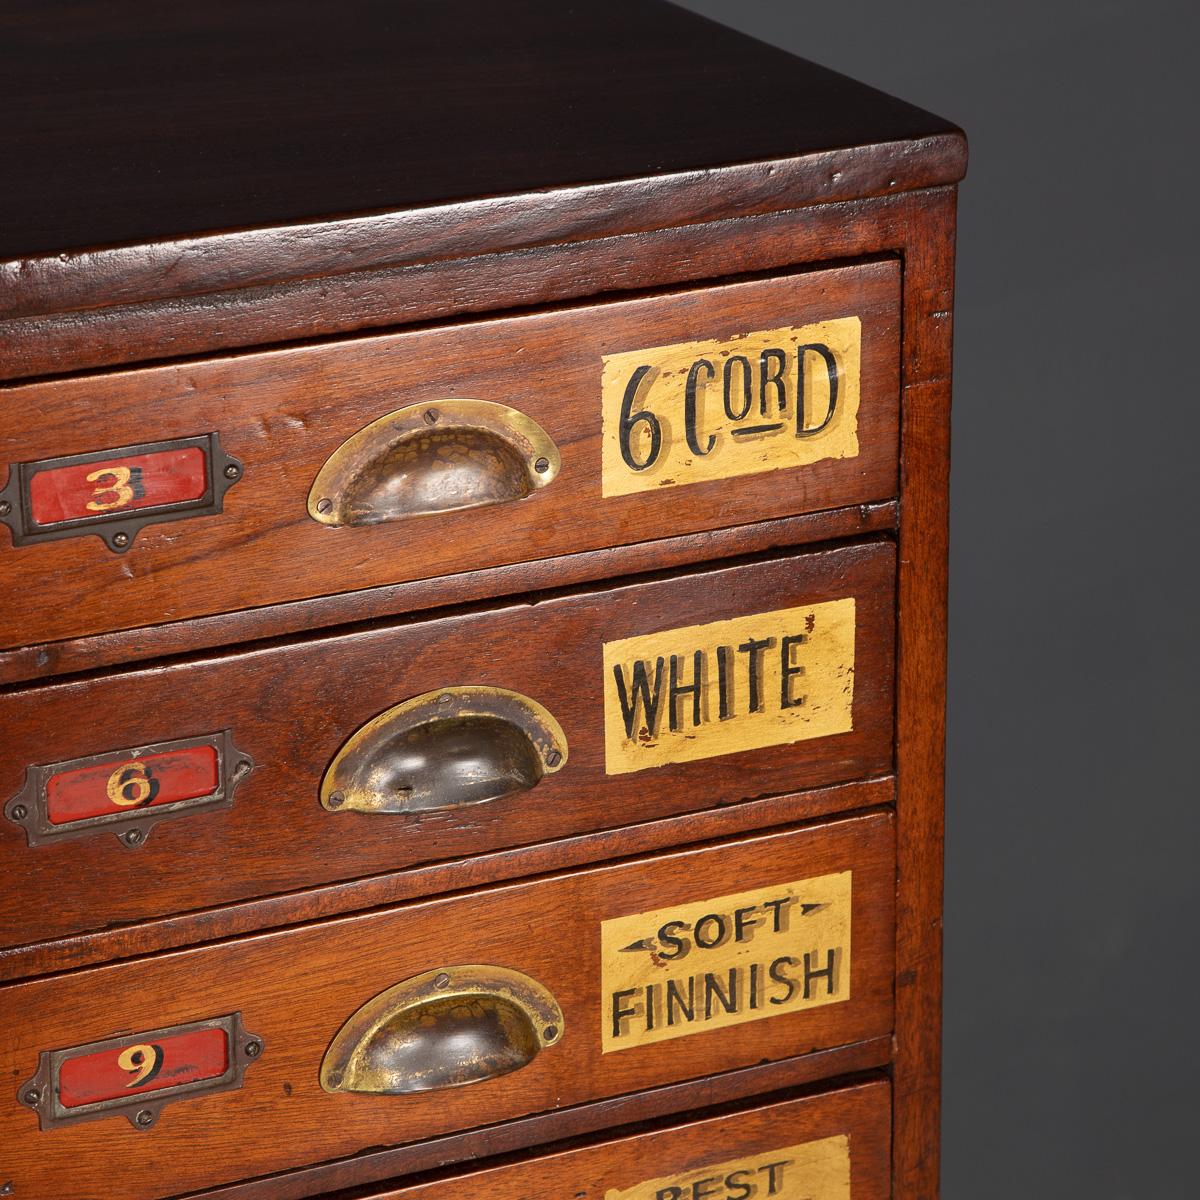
{"x": 833, "y": 1146}
{"x": 516, "y": 1000}
{"x": 273, "y": 477}
{"x": 184, "y": 787}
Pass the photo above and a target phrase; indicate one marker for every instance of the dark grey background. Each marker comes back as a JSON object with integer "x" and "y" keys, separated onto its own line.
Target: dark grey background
{"x": 1073, "y": 895}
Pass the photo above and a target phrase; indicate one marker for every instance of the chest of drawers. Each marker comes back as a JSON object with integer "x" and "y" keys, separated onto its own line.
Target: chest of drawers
{"x": 473, "y": 482}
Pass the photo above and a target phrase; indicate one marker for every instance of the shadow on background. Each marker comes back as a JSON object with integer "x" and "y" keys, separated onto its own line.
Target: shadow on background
{"x": 1073, "y": 809}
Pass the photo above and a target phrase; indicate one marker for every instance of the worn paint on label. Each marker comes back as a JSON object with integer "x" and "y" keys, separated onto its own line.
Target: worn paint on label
{"x": 712, "y": 963}
{"x": 704, "y": 690}
{"x": 125, "y": 784}
{"x": 705, "y": 410}
{"x": 122, "y": 484}
{"x": 817, "y": 1170}
{"x": 143, "y": 1065}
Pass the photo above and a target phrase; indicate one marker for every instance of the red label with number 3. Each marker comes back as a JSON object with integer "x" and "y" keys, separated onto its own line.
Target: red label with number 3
{"x": 127, "y": 784}
{"x": 140, "y": 1067}
{"x": 120, "y": 485}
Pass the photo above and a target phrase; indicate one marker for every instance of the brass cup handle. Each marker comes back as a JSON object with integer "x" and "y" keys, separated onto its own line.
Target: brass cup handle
{"x": 445, "y": 749}
{"x": 442, "y": 1029}
{"x": 433, "y": 458}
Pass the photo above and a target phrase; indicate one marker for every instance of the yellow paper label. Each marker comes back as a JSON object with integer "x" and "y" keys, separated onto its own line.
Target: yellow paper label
{"x": 705, "y": 965}
{"x": 703, "y": 690}
{"x": 712, "y": 410}
{"x": 811, "y": 1171}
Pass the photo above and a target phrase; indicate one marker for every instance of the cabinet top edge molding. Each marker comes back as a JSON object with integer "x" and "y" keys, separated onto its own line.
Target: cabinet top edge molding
{"x": 175, "y": 150}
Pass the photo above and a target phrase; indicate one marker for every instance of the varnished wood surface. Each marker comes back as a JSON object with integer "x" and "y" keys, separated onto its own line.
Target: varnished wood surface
{"x": 382, "y": 296}
{"x": 921, "y": 698}
{"x": 356, "y": 115}
{"x": 182, "y": 929}
{"x": 291, "y": 707}
{"x": 861, "y": 1113}
{"x": 283, "y": 414}
{"x": 764, "y": 1082}
{"x": 296, "y": 988}
{"x": 38, "y": 661}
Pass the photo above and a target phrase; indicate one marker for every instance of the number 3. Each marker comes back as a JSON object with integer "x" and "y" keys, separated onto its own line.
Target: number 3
{"x": 115, "y": 483}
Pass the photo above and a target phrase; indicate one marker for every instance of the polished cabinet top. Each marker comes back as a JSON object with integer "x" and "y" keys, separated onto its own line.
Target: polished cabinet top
{"x": 127, "y": 122}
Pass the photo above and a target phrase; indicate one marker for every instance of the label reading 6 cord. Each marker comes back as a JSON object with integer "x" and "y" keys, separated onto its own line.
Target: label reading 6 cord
{"x": 757, "y": 402}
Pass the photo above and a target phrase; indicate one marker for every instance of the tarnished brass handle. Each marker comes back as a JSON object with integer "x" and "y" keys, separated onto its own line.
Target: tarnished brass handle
{"x": 443, "y": 1029}
{"x": 445, "y": 749}
{"x": 432, "y": 458}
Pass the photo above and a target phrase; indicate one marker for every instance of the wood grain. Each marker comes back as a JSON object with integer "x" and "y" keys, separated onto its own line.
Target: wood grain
{"x": 861, "y": 1113}
{"x": 296, "y": 988}
{"x": 328, "y": 127}
{"x": 762, "y": 1082}
{"x": 283, "y": 413}
{"x": 40, "y": 660}
{"x": 291, "y": 707}
{"x": 184, "y": 929}
{"x": 921, "y": 698}
{"x": 483, "y": 282}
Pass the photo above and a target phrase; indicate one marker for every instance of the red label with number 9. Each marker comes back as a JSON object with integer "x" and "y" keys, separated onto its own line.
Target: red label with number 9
{"x": 140, "y": 1067}
{"x": 120, "y": 485}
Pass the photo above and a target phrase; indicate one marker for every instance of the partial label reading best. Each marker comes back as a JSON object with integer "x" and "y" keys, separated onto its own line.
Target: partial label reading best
{"x": 756, "y": 402}
{"x": 817, "y": 1170}
{"x": 702, "y": 690}
{"x": 713, "y": 963}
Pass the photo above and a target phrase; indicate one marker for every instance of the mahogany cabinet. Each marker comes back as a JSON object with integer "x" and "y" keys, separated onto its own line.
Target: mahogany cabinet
{"x": 473, "y": 491}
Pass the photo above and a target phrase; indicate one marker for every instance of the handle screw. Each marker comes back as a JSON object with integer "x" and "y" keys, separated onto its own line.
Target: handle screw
{"x": 550, "y": 1032}
{"x": 431, "y": 416}
{"x": 145, "y": 1118}
{"x": 121, "y": 539}
{"x": 232, "y": 471}
{"x": 5, "y": 508}
{"x": 133, "y": 837}
{"x": 18, "y": 812}
{"x": 323, "y": 506}
{"x": 32, "y": 1096}
{"x": 336, "y": 800}
{"x": 442, "y": 980}
{"x": 542, "y": 466}
{"x": 253, "y": 1049}
{"x": 553, "y": 758}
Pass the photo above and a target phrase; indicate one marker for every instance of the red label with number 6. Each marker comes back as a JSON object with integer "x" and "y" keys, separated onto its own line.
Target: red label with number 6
{"x": 95, "y": 489}
{"x": 124, "y": 785}
{"x": 140, "y": 1067}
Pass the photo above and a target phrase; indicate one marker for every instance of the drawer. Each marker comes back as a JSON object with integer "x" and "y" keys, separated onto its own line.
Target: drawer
{"x": 832, "y": 1146}
{"x": 183, "y": 787}
{"x": 304, "y": 472}
{"x": 401, "y": 1025}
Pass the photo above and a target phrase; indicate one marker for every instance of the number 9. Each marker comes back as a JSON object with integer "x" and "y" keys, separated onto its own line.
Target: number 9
{"x": 144, "y": 1061}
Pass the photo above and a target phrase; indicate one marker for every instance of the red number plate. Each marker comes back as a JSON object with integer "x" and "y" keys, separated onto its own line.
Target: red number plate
{"x": 140, "y": 1067}
{"x": 136, "y": 1075}
{"x": 114, "y": 493}
{"x": 124, "y": 785}
{"x": 127, "y": 791}
{"x": 118, "y": 485}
